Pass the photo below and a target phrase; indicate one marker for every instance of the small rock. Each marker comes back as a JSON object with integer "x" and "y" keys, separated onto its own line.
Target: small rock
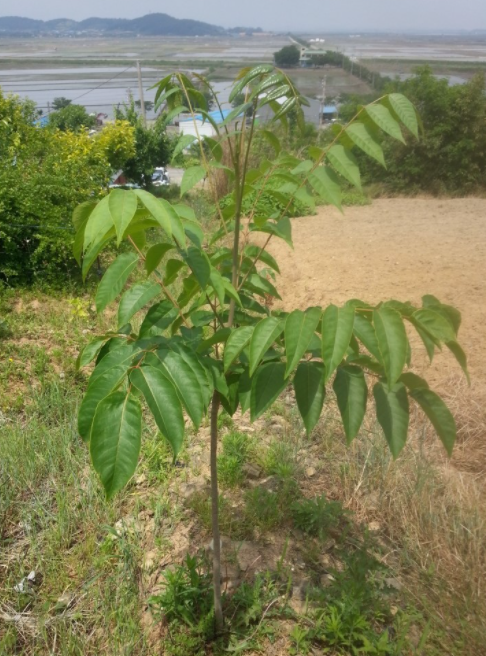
{"x": 64, "y": 602}
{"x": 326, "y": 580}
{"x": 394, "y": 583}
{"x": 310, "y": 472}
{"x": 374, "y": 527}
{"x": 325, "y": 561}
{"x": 329, "y": 545}
{"x": 253, "y": 472}
{"x": 271, "y": 484}
{"x": 278, "y": 420}
{"x": 230, "y": 573}
{"x": 188, "y": 490}
{"x": 149, "y": 561}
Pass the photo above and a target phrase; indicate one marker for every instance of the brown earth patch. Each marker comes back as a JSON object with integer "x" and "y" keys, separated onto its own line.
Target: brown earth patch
{"x": 398, "y": 248}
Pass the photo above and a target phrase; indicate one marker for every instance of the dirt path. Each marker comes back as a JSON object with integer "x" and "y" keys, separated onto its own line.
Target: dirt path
{"x": 396, "y": 248}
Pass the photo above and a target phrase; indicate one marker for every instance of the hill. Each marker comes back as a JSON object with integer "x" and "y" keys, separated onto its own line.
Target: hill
{"x": 150, "y": 25}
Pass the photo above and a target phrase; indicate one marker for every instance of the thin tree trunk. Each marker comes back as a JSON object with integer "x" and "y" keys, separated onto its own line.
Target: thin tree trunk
{"x": 218, "y": 611}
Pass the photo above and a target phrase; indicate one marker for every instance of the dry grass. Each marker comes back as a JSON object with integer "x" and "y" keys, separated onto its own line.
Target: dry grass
{"x": 430, "y": 510}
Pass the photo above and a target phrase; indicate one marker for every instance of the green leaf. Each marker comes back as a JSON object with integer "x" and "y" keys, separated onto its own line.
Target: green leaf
{"x": 337, "y": 330}
{"x": 264, "y": 336}
{"x": 344, "y": 163}
{"x": 115, "y": 440}
{"x": 200, "y": 371}
{"x": 412, "y": 381}
{"x": 260, "y": 285}
{"x": 244, "y": 390}
{"x": 89, "y": 352}
{"x": 98, "y": 389}
{"x": 392, "y": 342}
{"x": 94, "y": 250}
{"x": 123, "y": 205}
{"x": 439, "y": 414}
{"x": 219, "y": 337}
{"x": 426, "y": 339}
{"x": 154, "y": 256}
{"x": 215, "y": 147}
{"x": 384, "y": 120}
{"x": 299, "y": 329}
{"x": 351, "y": 394}
{"x": 185, "y": 381}
{"x": 281, "y": 229}
{"x": 81, "y": 213}
{"x": 237, "y": 341}
{"x": 392, "y": 412}
{"x": 365, "y": 332}
{"x": 246, "y": 76}
{"x": 99, "y": 223}
{"x": 191, "y": 177}
{"x": 237, "y": 112}
{"x": 163, "y": 402}
{"x": 363, "y": 138}
{"x": 268, "y": 382}
{"x": 172, "y": 268}
{"x": 214, "y": 374}
{"x": 199, "y": 264}
{"x": 450, "y": 313}
{"x": 324, "y": 182}
{"x": 114, "y": 279}
{"x": 405, "y": 111}
{"x": 272, "y": 140}
{"x": 231, "y": 291}
{"x": 253, "y": 251}
{"x": 120, "y": 356}
{"x": 135, "y": 298}
{"x": 216, "y": 282}
{"x": 460, "y": 356}
{"x": 310, "y": 392}
{"x": 160, "y": 315}
{"x": 178, "y": 231}
{"x": 185, "y": 140}
{"x": 156, "y": 209}
{"x": 436, "y": 325}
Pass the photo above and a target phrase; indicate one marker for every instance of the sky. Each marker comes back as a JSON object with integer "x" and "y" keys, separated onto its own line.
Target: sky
{"x": 303, "y": 15}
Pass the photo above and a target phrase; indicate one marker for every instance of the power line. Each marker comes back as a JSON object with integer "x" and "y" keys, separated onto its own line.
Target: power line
{"x": 42, "y": 227}
{"x": 102, "y": 84}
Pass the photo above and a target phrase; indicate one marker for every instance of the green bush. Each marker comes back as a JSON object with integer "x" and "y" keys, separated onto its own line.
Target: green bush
{"x": 317, "y": 516}
{"x": 450, "y": 158}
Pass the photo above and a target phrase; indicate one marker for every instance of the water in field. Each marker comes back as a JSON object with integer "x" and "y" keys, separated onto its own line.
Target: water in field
{"x": 99, "y": 89}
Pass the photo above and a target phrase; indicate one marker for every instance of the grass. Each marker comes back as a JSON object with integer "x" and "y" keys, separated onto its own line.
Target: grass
{"x": 361, "y": 551}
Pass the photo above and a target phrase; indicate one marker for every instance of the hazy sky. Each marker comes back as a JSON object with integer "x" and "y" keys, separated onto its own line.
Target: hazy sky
{"x": 313, "y": 15}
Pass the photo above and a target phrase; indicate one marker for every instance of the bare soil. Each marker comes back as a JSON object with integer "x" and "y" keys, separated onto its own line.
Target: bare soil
{"x": 396, "y": 248}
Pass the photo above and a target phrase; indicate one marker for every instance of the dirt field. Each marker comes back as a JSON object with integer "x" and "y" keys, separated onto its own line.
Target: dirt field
{"x": 397, "y": 248}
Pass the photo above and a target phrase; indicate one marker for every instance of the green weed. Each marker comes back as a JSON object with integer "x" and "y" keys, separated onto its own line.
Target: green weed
{"x": 317, "y": 516}
{"x": 235, "y": 450}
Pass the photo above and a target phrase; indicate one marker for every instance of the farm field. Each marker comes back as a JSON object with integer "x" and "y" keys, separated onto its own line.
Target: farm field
{"x": 396, "y": 248}
{"x": 99, "y": 565}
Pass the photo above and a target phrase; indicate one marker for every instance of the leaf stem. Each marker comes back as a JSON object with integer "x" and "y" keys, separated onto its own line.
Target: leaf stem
{"x": 218, "y": 610}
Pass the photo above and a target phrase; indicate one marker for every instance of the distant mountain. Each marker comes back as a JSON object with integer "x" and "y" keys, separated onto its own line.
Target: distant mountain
{"x": 150, "y": 25}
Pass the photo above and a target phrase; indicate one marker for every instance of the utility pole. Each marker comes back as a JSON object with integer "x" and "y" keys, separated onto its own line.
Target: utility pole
{"x": 323, "y": 101}
{"x": 140, "y": 93}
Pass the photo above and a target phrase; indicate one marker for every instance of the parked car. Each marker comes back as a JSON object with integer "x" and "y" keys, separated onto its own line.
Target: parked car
{"x": 126, "y": 185}
{"x": 160, "y": 177}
